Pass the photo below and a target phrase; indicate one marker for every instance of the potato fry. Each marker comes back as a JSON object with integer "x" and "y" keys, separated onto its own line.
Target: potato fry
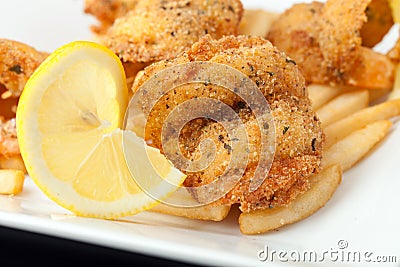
{"x": 360, "y": 119}
{"x": 11, "y": 182}
{"x": 321, "y": 94}
{"x": 347, "y": 152}
{"x": 256, "y": 22}
{"x": 323, "y": 185}
{"x": 205, "y": 213}
{"x": 395, "y": 94}
{"x": 342, "y": 106}
{"x": 13, "y": 163}
{"x": 377, "y": 96}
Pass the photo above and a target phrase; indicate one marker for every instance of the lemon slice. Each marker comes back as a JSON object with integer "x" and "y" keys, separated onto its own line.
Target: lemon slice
{"x": 395, "y": 4}
{"x": 68, "y": 124}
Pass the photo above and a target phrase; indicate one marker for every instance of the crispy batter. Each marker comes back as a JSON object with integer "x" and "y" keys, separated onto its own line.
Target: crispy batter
{"x": 8, "y": 139}
{"x": 299, "y": 138}
{"x": 107, "y": 11}
{"x": 157, "y": 29}
{"x": 325, "y": 40}
{"x": 17, "y": 63}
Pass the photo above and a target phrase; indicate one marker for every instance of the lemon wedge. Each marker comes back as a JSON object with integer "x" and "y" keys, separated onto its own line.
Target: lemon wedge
{"x": 395, "y": 5}
{"x": 68, "y": 124}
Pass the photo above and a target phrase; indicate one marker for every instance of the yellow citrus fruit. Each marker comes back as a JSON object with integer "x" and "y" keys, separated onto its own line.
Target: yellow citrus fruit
{"x": 68, "y": 124}
{"x": 395, "y": 5}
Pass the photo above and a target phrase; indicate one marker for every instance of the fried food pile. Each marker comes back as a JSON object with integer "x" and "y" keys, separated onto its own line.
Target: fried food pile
{"x": 107, "y": 11}
{"x": 298, "y": 133}
{"x": 326, "y": 41}
{"x": 17, "y": 63}
{"x": 156, "y": 30}
{"x": 317, "y": 43}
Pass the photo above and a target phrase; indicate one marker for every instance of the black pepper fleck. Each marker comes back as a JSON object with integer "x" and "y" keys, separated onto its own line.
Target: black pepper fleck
{"x": 17, "y": 69}
{"x": 285, "y": 129}
{"x": 313, "y": 144}
{"x": 241, "y": 105}
{"x": 228, "y": 147}
{"x": 288, "y": 60}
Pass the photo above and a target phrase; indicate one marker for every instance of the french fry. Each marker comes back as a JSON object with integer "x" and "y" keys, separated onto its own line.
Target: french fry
{"x": 360, "y": 119}
{"x": 256, "y": 22}
{"x": 205, "y": 213}
{"x": 11, "y": 182}
{"x": 342, "y": 106}
{"x": 184, "y": 198}
{"x": 323, "y": 185}
{"x": 13, "y": 163}
{"x": 321, "y": 94}
{"x": 395, "y": 94}
{"x": 377, "y": 95}
{"x": 348, "y": 151}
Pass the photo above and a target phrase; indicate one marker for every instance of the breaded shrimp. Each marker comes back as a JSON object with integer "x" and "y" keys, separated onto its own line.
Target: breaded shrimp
{"x": 8, "y": 139}
{"x": 17, "y": 63}
{"x": 157, "y": 29}
{"x": 107, "y": 11}
{"x": 299, "y": 138}
{"x": 325, "y": 40}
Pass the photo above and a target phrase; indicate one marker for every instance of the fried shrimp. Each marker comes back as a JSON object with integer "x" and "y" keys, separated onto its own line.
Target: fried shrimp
{"x": 299, "y": 138}
{"x": 156, "y": 30}
{"x": 17, "y": 63}
{"x": 8, "y": 139}
{"x": 107, "y": 11}
{"x": 325, "y": 40}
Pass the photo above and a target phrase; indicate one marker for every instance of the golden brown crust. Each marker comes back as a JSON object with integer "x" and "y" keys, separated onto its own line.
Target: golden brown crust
{"x": 8, "y": 139}
{"x": 157, "y": 29}
{"x": 107, "y": 11}
{"x": 17, "y": 63}
{"x": 299, "y": 138}
{"x": 325, "y": 41}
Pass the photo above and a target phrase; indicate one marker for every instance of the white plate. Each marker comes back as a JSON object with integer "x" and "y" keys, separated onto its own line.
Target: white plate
{"x": 363, "y": 213}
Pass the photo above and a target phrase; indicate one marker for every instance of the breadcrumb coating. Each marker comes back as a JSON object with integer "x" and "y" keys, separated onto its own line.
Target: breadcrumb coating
{"x": 325, "y": 40}
{"x": 157, "y": 29}
{"x": 299, "y": 137}
{"x": 107, "y": 11}
{"x": 17, "y": 63}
